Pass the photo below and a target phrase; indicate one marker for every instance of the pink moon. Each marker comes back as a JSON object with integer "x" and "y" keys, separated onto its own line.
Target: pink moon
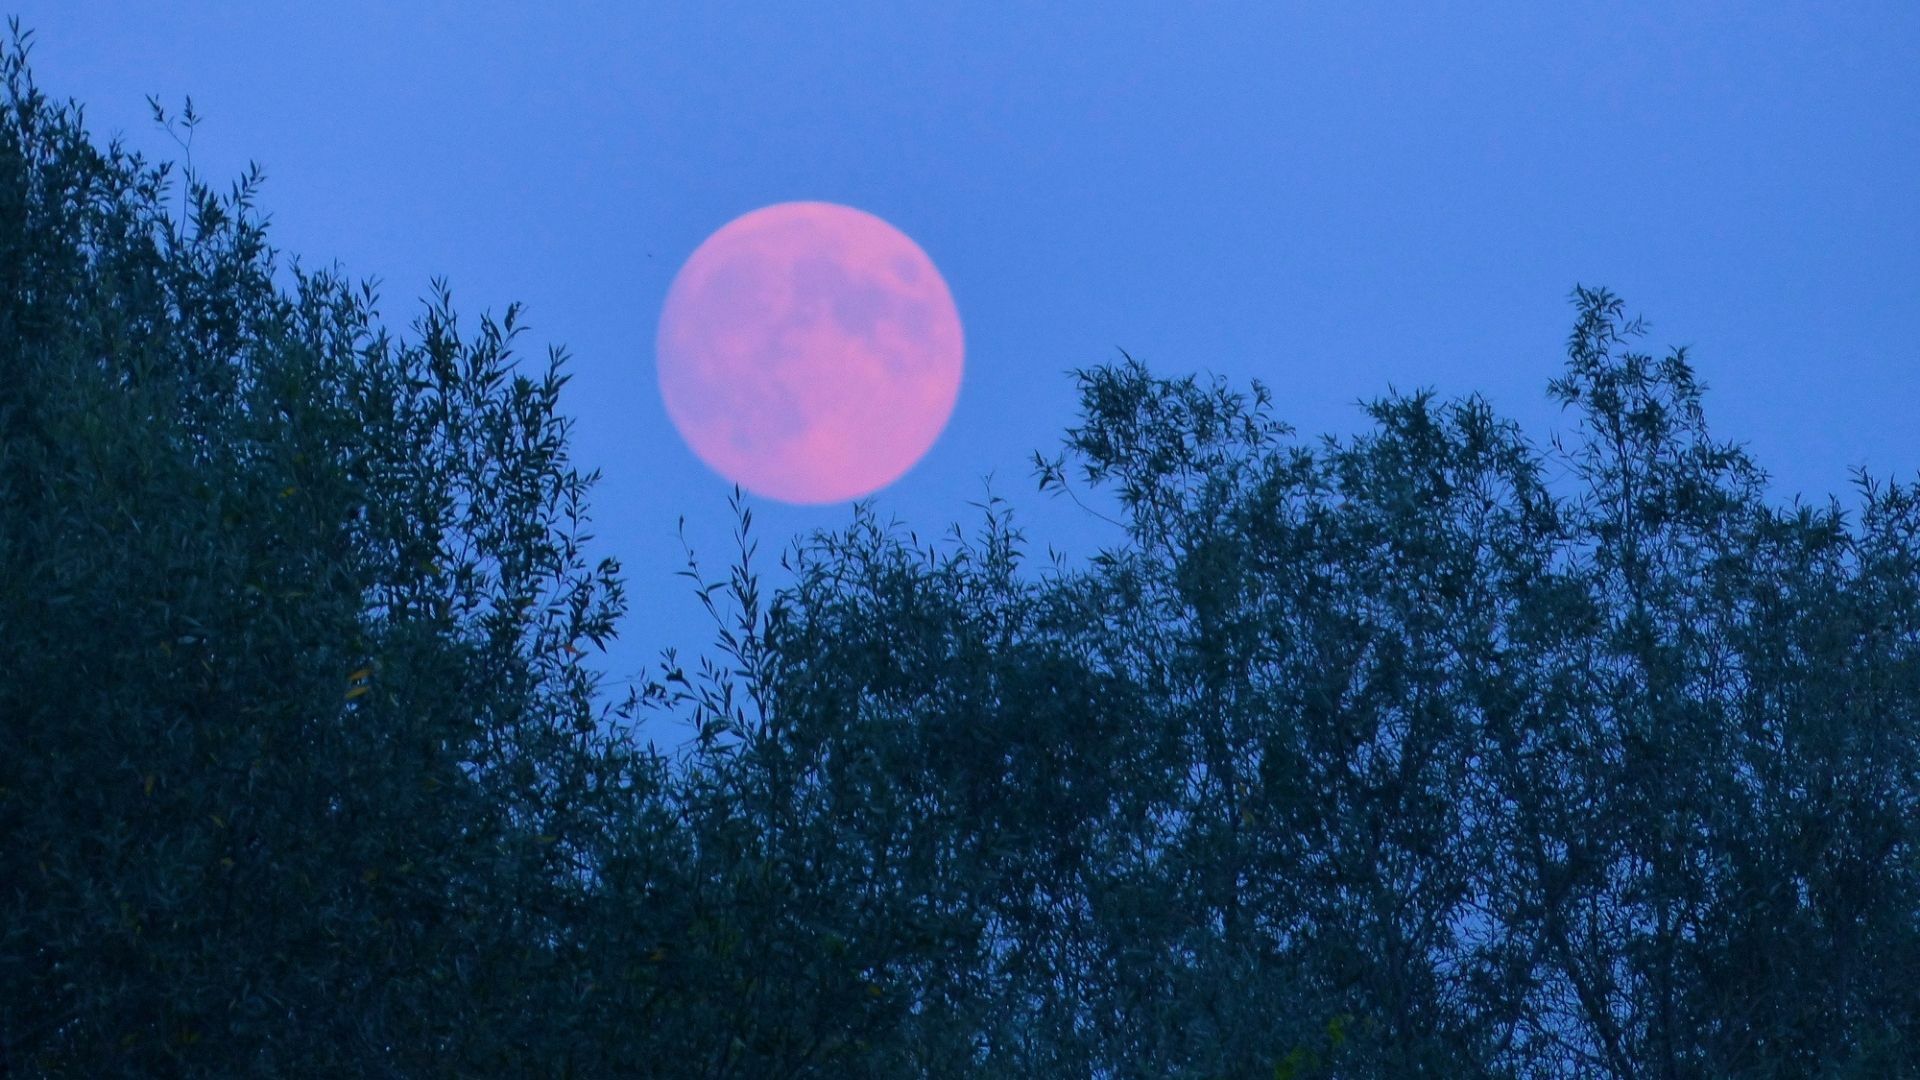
{"x": 809, "y": 352}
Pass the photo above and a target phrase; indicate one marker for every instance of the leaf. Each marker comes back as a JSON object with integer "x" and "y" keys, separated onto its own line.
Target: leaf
{"x": 357, "y": 691}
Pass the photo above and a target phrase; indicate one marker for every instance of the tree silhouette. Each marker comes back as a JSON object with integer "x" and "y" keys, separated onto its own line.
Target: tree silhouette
{"x": 295, "y": 743}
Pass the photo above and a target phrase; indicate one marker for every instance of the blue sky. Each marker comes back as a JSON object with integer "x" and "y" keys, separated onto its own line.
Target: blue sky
{"x": 1334, "y": 200}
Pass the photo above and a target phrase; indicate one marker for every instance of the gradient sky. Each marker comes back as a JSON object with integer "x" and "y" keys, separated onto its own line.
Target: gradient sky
{"x": 1334, "y": 201}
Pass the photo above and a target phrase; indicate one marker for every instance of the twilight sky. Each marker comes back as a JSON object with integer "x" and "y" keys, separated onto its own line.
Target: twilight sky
{"x": 1333, "y": 203}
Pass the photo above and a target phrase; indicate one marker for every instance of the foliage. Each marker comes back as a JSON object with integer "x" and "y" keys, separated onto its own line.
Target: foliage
{"x": 1430, "y": 751}
{"x": 295, "y": 742}
{"x": 1427, "y": 752}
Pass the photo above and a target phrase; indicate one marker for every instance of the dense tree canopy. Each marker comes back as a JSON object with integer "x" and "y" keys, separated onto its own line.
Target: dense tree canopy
{"x": 1430, "y": 751}
{"x": 292, "y": 721}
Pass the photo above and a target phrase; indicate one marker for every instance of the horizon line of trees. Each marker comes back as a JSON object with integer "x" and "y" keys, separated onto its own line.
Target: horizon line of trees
{"x": 1428, "y": 751}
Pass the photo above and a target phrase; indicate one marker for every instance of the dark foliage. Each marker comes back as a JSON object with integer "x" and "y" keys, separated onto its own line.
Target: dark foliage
{"x": 294, "y": 752}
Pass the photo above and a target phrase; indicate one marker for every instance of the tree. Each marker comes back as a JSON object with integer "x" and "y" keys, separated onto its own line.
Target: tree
{"x": 1385, "y": 757}
{"x": 296, "y": 746}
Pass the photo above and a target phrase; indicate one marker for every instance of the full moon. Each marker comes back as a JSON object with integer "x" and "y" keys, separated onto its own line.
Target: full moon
{"x": 809, "y": 352}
